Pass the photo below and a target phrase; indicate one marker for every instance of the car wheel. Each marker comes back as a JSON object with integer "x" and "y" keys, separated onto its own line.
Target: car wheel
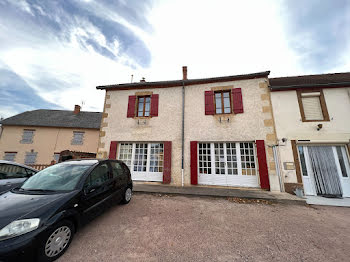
{"x": 57, "y": 241}
{"x": 127, "y": 195}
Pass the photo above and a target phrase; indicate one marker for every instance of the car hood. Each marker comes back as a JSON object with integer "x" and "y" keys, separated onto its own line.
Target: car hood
{"x": 15, "y": 206}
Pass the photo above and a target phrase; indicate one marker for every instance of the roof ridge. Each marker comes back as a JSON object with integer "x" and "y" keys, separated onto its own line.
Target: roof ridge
{"x": 186, "y": 81}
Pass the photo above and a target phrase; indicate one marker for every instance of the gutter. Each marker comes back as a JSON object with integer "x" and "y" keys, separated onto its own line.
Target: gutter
{"x": 293, "y": 87}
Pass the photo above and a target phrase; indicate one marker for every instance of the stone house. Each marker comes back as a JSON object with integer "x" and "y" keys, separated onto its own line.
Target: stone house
{"x": 210, "y": 131}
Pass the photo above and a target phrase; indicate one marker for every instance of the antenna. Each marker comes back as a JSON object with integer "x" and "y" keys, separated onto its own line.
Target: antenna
{"x": 82, "y": 103}
{"x": 132, "y": 78}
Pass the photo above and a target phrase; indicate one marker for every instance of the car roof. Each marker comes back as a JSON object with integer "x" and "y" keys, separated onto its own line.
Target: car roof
{"x": 84, "y": 161}
{"x": 17, "y": 164}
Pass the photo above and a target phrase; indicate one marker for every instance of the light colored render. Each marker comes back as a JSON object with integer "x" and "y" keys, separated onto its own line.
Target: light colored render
{"x": 256, "y": 123}
{"x": 289, "y": 125}
{"x": 46, "y": 141}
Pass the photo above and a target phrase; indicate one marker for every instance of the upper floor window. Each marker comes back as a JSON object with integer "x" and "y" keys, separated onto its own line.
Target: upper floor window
{"x": 312, "y": 106}
{"x": 223, "y": 102}
{"x": 27, "y": 137}
{"x": 30, "y": 158}
{"x": 10, "y": 156}
{"x": 78, "y": 138}
{"x": 143, "y": 105}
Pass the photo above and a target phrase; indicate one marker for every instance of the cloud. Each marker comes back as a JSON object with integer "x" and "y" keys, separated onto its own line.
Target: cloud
{"x": 319, "y": 32}
{"x": 16, "y": 95}
{"x": 61, "y": 50}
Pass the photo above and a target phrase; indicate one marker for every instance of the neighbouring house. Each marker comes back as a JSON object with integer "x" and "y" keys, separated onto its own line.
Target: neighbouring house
{"x": 39, "y": 136}
{"x": 210, "y": 131}
{"x": 312, "y": 118}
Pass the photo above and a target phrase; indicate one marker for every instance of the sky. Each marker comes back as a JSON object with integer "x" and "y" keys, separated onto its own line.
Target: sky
{"x": 54, "y": 53}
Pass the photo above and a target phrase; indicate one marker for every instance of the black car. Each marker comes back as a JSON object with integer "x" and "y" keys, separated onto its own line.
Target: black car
{"x": 13, "y": 174}
{"x": 40, "y": 218}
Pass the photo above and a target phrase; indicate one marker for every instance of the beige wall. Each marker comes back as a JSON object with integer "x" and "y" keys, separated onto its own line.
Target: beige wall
{"x": 289, "y": 125}
{"x": 255, "y": 123}
{"x": 46, "y": 141}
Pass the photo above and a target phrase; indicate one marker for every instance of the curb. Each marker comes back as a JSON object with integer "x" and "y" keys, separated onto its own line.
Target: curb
{"x": 278, "y": 201}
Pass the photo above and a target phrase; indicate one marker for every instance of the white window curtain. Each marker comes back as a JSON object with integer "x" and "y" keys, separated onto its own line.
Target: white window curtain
{"x": 325, "y": 172}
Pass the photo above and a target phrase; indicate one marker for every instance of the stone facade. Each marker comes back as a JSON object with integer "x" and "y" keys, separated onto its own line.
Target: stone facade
{"x": 256, "y": 123}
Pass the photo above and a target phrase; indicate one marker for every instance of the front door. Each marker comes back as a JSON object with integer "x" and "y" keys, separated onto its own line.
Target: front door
{"x": 227, "y": 164}
{"x": 325, "y": 170}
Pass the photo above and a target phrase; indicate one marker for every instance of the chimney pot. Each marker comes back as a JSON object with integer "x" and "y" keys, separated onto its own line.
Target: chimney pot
{"x": 76, "y": 109}
{"x": 184, "y": 72}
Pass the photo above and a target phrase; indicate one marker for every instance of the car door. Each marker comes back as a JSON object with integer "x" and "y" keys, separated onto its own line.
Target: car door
{"x": 119, "y": 179}
{"x": 11, "y": 176}
{"x": 97, "y": 189}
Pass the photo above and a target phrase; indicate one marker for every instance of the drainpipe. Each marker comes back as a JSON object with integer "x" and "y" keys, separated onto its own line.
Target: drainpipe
{"x": 184, "y": 73}
{"x": 278, "y": 166}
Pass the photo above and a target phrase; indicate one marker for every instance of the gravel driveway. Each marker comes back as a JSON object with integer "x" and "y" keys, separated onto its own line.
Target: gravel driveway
{"x": 178, "y": 228}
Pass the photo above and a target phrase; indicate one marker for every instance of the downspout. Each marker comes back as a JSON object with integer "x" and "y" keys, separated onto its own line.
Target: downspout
{"x": 184, "y": 77}
{"x": 276, "y": 156}
{"x": 183, "y": 132}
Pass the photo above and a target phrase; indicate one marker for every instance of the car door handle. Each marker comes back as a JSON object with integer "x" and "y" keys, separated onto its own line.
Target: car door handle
{"x": 8, "y": 184}
{"x": 92, "y": 190}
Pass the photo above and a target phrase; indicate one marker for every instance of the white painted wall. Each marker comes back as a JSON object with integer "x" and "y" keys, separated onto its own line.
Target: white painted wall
{"x": 289, "y": 125}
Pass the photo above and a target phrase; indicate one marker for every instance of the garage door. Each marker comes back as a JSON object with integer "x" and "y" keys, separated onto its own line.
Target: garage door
{"x": 227, "y": 164}
{"x": 145, "y": 160}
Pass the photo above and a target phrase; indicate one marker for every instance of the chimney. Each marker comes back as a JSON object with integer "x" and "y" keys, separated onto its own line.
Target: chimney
{"x": 184, "y": 72}
{"x": 143, "y": 79}
{"x": 76, "y": 109}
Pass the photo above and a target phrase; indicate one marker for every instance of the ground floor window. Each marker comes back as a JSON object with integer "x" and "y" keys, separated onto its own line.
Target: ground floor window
{"x": 145, "y": 160}
{"x": 227, "y": 163}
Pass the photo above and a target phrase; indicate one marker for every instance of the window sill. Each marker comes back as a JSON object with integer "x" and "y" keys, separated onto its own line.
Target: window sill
{"x": 24, "y": 142}
{"x": 315, "y": 120}
{"x": 142, "y": 117}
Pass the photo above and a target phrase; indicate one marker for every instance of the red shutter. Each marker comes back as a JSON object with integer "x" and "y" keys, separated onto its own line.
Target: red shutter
{"x": 131, "y": 106}
{"x": 154, "y": 104}
{"x": 263, "y": 171}
{"x": 167, "y": 163}
{"x": 194, "y": 163}
{"x": 237, "y": 100}
{"x": 113, "y": 150}
{"x": 209, "y": 103}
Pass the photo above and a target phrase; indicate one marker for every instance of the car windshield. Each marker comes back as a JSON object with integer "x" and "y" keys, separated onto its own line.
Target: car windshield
{"x": 60, "y": 177}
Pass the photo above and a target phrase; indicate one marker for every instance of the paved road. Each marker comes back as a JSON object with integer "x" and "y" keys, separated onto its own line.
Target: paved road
{"x": 178, "y": 228}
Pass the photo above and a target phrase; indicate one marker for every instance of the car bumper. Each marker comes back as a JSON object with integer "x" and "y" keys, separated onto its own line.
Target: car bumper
{"x": 21, "y": 248}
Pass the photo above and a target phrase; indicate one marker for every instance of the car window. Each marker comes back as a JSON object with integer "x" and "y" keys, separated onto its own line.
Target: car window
{"x": 117, "y": 169}
{"x": 12, "y": 171}
{"x": 57, "y": 177}
{"x": 98, "y": 176}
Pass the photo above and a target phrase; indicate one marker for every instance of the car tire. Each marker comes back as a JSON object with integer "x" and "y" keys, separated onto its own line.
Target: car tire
{"x": 127, "y": 195}
{"x": 56, "y": 241}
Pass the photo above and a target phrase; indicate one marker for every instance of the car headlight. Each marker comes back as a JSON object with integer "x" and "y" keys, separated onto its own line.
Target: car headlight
{"x": 19, "y": 227}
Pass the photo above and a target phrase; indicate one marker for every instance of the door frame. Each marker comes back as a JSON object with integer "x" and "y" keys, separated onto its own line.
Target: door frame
{"x": 238, "y": 180}
{"x": 309, "y": 181}
{"x": 147, "y": 175}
